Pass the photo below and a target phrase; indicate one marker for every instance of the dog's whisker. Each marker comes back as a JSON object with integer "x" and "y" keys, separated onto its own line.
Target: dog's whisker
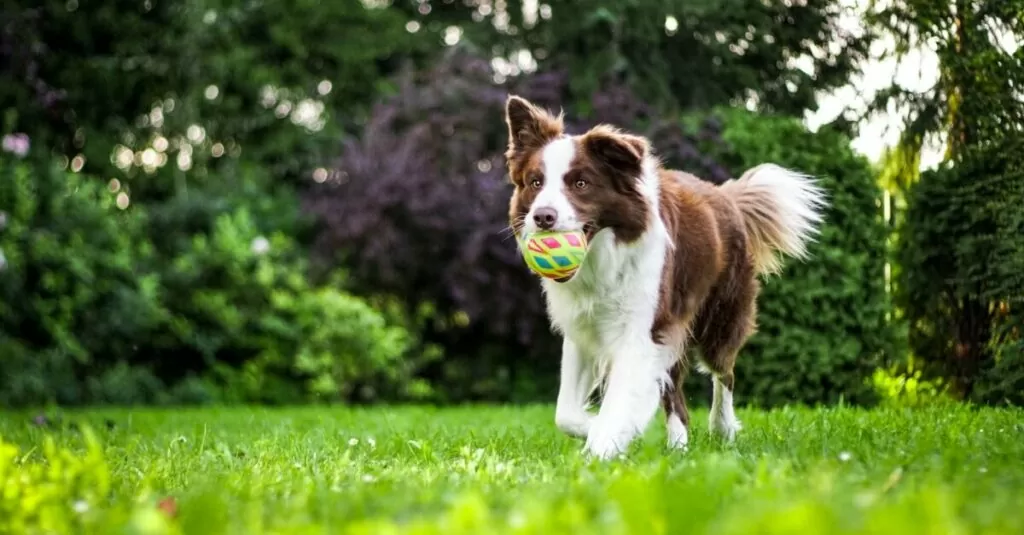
{"x": 510, "y": 231}
{"x": 514, "y": 230}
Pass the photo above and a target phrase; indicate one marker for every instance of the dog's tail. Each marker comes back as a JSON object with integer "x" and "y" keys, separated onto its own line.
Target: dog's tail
{"x": 782, "y": 212}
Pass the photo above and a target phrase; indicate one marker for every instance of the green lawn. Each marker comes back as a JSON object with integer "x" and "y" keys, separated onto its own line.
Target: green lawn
{"x": 508, "y": 470}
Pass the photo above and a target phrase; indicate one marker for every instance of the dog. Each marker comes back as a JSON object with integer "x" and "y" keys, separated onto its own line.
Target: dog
{"x": 672, "y": 259}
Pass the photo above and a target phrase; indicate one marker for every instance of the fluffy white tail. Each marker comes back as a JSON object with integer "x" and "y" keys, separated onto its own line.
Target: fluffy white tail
{"x": 782, "y": 211}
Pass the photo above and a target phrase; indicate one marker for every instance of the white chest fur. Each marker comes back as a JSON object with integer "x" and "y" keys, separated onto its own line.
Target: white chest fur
{"x": 612, "y": 300}
{"x": 605, "y": 314}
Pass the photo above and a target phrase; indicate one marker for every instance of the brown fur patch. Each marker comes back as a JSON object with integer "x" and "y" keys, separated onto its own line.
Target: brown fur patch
{"x": 529, "y": 129}
{"x": 709, "y": 285}
{"x": 522, "y": 174}
{"x": 695, "y": 261}
{"x": 609, "y": 163}
{"x": 672, "y": 400}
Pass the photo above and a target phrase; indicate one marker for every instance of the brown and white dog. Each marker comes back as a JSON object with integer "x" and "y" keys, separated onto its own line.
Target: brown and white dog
{"x": 672, "y": 258}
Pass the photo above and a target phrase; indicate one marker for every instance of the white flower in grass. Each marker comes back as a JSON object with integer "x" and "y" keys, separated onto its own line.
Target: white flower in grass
{"x": 353, "y": 441}
{"x": 367, "y": 478}
{"x": 80, "y": 506}
{"x": 845, "y": 456}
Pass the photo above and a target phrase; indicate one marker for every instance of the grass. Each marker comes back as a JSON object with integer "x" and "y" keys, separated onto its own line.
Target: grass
{"x": 508, "y": 470}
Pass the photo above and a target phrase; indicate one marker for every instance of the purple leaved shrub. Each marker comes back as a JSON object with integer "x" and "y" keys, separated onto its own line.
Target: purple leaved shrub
{"x": 416, "y": 206}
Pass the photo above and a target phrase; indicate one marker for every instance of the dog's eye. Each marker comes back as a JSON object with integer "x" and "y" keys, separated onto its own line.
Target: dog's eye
{"x": 580, "y": 183}
{"x": 536, "y": 183}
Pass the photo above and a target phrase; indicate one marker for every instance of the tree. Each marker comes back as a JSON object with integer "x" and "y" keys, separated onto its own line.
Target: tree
{"x": 977, "y": 97}
{"x": 676, "y": 53}
{"x": 197, "y": 83}
{"x": 957, "y": 297}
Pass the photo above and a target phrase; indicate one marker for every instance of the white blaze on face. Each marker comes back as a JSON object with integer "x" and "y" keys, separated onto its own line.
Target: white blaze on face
{"x": 556, "y": 157}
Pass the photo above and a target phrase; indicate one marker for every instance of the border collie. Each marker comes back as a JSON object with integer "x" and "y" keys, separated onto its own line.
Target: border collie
{"x": 672, "y": 258}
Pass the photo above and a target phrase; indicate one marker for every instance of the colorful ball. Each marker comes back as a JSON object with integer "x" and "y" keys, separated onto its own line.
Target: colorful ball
{"x": 555, "y": 255}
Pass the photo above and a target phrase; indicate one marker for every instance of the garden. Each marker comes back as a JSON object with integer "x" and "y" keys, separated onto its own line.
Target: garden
{"x": 255, "y": 271}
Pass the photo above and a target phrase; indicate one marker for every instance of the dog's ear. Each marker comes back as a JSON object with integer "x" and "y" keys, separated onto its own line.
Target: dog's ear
{"x": 615, "y": 150}
{"x": 529, "y": 127}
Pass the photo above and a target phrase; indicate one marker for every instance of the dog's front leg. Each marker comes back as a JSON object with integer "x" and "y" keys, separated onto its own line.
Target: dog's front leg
{"x": 630, "y": 401}
{"x": 577, "y": 381}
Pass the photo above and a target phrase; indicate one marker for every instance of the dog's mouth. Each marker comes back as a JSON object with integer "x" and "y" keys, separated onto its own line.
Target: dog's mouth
{"x": 589, "y": 230}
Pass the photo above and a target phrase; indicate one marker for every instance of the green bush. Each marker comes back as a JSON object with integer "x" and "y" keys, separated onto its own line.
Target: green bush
{"x": 1001, "y": 382}
{"x": 242, "y": 304}
{"x": 899, "y": 387}
{"x": 962, "y": 280}
{"x": 822, "y": 328}
{"x": 94, "y": 311}
{"x": 73, "y": 299}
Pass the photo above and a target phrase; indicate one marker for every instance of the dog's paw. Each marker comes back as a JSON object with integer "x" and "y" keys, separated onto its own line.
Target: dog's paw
{"x": 604, "y": 446}
{"x": 678, "y": 435}
{"x": 576, "y": 424}
{"x": 725, "y": 427}
{"x": 602, "y": 453}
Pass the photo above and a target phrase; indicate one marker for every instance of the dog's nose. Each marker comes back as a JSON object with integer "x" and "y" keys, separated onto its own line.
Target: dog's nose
{"x": 545, "y": 218}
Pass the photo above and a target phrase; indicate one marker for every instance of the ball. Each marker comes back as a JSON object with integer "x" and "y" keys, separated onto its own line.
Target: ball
{"x": 555, "y": 255}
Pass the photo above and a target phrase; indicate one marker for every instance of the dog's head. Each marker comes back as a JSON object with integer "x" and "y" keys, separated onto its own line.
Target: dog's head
{"x": 587, "y": 182}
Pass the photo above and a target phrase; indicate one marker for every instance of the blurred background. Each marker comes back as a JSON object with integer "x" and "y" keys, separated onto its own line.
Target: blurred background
{"x": 304, "y": 201}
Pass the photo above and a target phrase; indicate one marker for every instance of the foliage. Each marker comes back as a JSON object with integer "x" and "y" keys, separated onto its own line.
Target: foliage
{"x": 959, "y": 257}
{"x": 1002, "y": 383}
{"x": 675, "y": 54}
{"x": 72, "y": 294}
{"x": 242, "y": 300}
{"x": 37, "y": 494}
{"x": 909, "y": 388}
{"x": 417, "y": 208}
{"x": 508, "y": 470}
{"x": 201, "y": 116}
{"x": 64, "y": 491}
{"x": 977, "y": 96}
{"x": 91, "y": 311}
{"x": 964, "y": 274}
{"x": 822, "y": 327}
{"x": 196, "y": 82}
